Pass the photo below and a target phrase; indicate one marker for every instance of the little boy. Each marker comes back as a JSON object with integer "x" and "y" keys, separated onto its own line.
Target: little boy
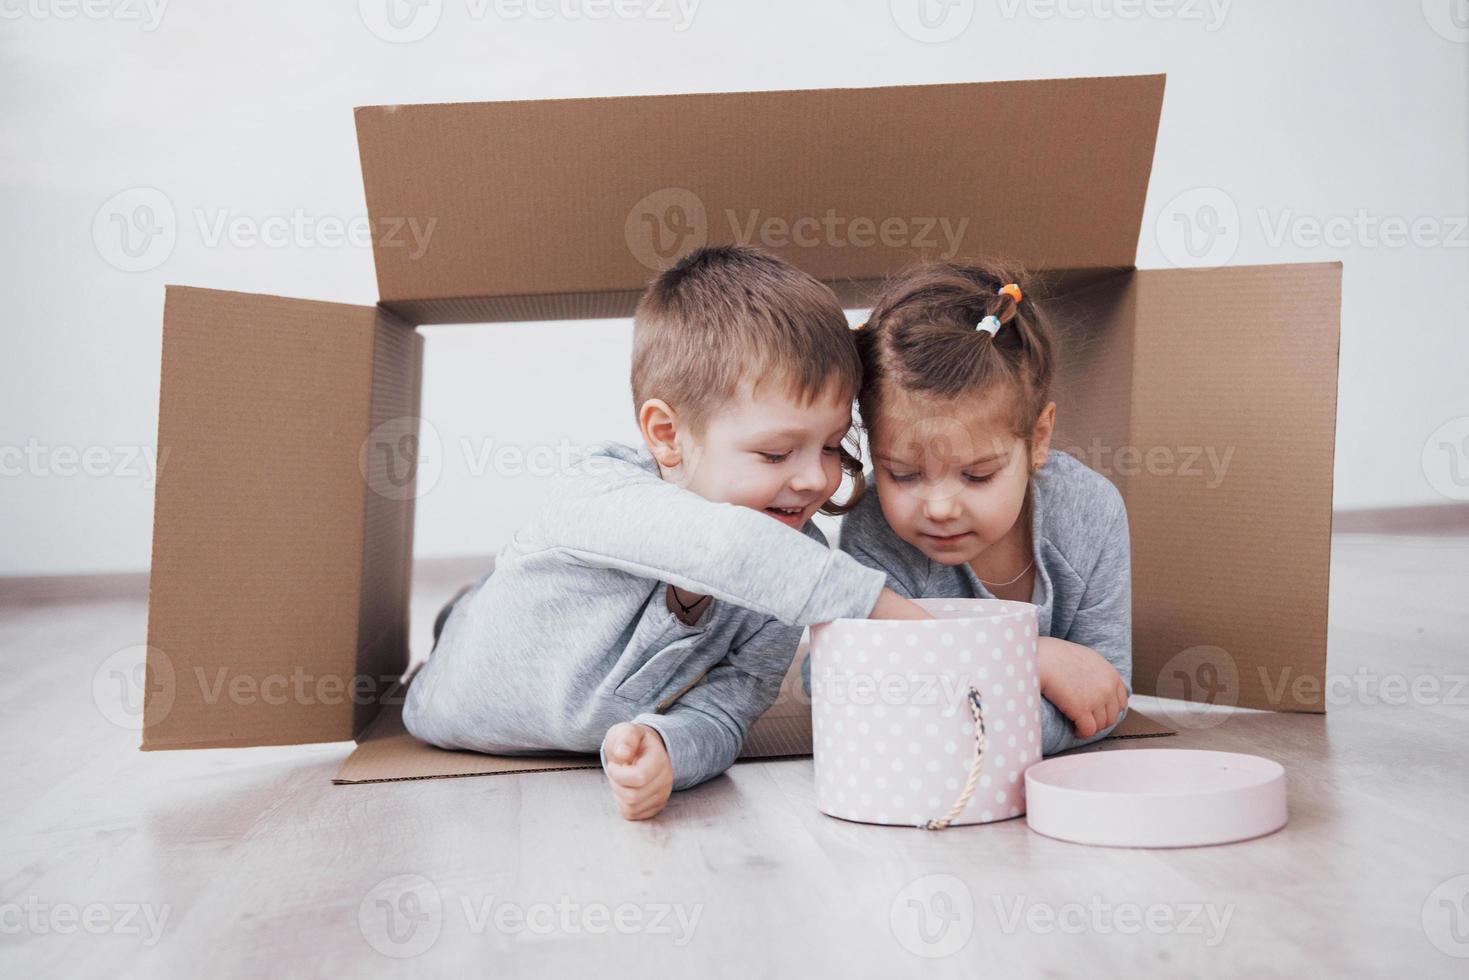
{"x": 652, "y": 606}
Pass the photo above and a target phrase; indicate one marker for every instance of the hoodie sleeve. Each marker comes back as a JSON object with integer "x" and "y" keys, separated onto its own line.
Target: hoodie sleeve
{"x": 615, "y": 514}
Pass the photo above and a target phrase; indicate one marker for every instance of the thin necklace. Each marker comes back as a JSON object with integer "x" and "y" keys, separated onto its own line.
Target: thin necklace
{"x": 993, "y": 585}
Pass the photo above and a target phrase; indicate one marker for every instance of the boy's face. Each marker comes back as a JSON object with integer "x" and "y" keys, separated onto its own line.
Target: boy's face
{"x": 767, "y": 452}
{"x": 951, "y": 478}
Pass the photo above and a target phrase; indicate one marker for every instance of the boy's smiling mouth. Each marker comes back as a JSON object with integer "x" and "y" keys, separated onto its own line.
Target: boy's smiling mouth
{"x": 791, "y": 516}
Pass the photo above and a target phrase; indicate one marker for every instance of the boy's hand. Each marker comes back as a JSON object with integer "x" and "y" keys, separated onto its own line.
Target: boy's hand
{"x": 890, "y": 605}
{"x": 1081, "y": 684}
{"x": 639, "y": 769}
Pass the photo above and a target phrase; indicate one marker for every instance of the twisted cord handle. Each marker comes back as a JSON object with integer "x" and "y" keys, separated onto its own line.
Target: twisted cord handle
{"x": 977, "y": 710}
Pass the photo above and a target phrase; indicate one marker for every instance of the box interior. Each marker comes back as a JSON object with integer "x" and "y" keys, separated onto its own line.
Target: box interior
{"x": 283, "y": 528}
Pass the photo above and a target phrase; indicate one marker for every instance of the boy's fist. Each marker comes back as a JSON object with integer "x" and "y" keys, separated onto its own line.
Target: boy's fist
{"x": 1081, "y": 684}
{"x": 638, "y": 768}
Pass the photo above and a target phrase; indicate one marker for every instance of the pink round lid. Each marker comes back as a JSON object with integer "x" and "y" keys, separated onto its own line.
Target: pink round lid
{"x": 1155, "y": 797}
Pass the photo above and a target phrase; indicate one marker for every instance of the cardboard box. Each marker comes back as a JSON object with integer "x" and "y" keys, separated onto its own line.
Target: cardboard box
{"x": 283, "y": 524}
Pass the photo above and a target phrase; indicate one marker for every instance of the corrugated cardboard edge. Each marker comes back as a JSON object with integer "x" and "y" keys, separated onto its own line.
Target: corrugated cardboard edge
{"x": 387, "y": 753}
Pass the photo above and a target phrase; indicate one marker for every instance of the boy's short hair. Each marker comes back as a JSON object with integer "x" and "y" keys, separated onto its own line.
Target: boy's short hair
{"x": 729, "y": 314}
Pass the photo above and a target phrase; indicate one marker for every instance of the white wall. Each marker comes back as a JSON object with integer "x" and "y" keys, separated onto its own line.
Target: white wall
{"x": 1291, "y": 110}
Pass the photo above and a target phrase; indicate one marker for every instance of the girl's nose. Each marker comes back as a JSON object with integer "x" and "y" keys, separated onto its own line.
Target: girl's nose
{"x": 940, "y": 506}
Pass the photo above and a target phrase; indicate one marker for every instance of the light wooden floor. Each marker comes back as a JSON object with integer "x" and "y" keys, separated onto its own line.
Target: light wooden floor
{"x": 262, "y": 866}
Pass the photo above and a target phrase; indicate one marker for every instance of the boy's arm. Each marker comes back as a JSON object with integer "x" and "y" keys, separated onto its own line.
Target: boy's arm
{"x": 1103, "y": 622}
{"x": 705, "y": 729}
{"x": 624, "y": 517}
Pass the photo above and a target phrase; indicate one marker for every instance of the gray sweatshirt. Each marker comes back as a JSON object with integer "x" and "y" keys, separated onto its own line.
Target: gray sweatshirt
{"x": 1084, "y": 587}
{"x": 571, "y": 632}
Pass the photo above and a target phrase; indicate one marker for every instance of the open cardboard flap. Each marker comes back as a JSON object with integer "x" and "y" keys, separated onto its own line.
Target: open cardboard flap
{"x": 387, "y": 753}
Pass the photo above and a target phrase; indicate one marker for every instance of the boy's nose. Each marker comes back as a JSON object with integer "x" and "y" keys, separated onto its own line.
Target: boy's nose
{"x": 809, "y": 477}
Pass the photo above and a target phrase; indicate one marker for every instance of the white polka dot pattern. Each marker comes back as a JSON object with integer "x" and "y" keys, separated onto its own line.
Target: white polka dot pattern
{"x": 909, "y": 719}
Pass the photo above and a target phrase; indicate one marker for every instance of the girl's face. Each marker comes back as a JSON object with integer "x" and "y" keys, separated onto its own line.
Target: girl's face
{"x": 951, "y": 476}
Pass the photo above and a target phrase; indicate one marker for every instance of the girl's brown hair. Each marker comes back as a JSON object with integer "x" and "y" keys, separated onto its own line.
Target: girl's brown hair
{"x": 922, "y": 339}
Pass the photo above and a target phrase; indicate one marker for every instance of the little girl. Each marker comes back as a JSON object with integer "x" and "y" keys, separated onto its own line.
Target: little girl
{"x": 966, "y": 497}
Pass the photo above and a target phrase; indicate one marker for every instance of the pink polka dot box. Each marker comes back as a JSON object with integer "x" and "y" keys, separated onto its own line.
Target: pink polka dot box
{"x": 928, "y": 723}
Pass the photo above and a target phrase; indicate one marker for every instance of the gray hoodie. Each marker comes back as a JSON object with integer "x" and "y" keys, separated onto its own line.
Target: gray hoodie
{"x": 571, "y": 633}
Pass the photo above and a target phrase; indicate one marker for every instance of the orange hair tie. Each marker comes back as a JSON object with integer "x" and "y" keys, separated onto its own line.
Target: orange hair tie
{"x": 1013, "y": 291}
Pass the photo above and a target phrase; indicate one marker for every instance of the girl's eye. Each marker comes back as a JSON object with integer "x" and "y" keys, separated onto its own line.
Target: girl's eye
{"x": 832, "y": 449}
{"x": 979, "y": 479}
{"x": 775, "y": 457}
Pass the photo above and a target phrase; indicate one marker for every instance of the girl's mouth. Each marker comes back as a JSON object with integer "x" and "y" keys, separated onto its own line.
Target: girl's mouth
{"x": 950, "y": 539}
{"x": 787, "y": 515}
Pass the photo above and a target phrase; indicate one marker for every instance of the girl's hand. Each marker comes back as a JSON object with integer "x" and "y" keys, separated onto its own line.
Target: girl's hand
{"x": 1081, "y": 684}
{"x": 890, "y": 605}
{"x": 639, "y": 769}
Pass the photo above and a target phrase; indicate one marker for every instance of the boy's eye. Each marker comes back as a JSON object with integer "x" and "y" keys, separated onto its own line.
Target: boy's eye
{"x": 904, "y": 478}
{"x": 979, "y": 479}
{"x": 775, "y": 457}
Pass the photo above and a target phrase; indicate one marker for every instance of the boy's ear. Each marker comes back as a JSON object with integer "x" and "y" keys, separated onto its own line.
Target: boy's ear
{"x": 1040, "y": 442}
{"x": 659, "y": 425}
